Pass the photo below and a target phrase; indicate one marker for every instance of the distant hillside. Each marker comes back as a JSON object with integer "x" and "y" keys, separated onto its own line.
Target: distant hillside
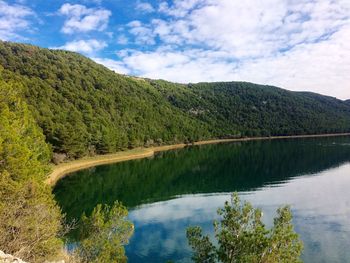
{"x": 83, "y": 107}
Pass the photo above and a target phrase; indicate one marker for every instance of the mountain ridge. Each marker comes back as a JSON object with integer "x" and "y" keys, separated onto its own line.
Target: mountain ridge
{"x": 85, "y": 108}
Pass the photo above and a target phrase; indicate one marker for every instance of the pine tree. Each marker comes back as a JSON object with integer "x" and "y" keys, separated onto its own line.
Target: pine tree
{"x": 29, "y": 217}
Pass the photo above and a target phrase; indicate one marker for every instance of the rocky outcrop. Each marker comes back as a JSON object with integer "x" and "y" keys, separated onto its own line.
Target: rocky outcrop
{"x": 7, "y": 258}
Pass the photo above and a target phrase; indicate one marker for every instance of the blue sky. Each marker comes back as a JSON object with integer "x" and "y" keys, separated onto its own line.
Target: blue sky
{"x": 295, "y": 44}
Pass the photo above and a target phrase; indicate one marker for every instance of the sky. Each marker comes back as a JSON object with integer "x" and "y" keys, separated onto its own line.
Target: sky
{"x": 301, "y": 45}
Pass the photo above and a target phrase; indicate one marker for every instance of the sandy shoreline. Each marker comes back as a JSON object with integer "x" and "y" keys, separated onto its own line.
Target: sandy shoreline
{"x": 61, "y": 170}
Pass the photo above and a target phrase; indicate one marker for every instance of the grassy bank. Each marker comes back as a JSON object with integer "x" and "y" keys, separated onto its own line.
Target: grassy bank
{"x": 61, "y": 170}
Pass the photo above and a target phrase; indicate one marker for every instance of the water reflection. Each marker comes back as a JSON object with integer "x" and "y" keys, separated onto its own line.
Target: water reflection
{"x": 181, "y": 188}
{"x": 321, "y": 209}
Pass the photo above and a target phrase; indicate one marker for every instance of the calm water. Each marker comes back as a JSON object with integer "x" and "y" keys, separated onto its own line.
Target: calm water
{"x": 176, "y": 189}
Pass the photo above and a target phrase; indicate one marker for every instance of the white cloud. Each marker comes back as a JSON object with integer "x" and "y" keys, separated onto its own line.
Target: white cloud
{"x": 14, "y": 18}
{"x": 143, "y": 34}
{"x": 179, "y": 8}
{"x": 299, "y": 45}
{"x": 144, "y": 7}
{"x": 84, "y": 46}
{"x": 122, "y": 40}
{"x": 250, "y": 28}
{"x": 321, "y": 67}
{"x": 83, "y": 19}
{"x": 189, "y": 66}
{"x": 116, "y": 66}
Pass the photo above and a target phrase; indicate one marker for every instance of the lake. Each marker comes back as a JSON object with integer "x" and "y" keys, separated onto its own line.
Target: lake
{"x": 173, "y": 190}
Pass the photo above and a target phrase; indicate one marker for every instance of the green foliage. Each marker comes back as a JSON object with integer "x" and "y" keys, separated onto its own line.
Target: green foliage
{"x": 23, "y": 150}
{"x": 84, "y": 108}
{"x": 29, "y": 217}
{"x": 242, "y": 237}
{"x": 104, "y": 233}
{"x": 284, "y": 243}
{"x": 234, "y": 109}
{"x": 29, "y": 220}
{"x": 204, "y": 249}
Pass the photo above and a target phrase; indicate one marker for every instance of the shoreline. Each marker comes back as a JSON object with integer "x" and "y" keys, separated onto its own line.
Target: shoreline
{"x": 62, "y": 170}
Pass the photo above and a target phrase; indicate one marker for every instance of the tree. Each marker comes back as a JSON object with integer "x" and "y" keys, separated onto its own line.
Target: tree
{"x": 29, "y": 217}
{"x": 242, "y": 237}
{"x": 104, "y": 234}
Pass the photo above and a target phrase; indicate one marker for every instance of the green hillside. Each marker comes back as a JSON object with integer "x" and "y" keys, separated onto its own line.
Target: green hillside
{"x": 83, "y": 107}
{"x": 247, "y": 109}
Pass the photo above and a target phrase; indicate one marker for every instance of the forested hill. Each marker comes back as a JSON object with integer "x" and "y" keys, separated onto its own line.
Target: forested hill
{"x": 83, "y": 107}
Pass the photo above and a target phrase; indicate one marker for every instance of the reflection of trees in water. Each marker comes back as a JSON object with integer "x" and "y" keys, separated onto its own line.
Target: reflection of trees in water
{"x": 205, "y": 169}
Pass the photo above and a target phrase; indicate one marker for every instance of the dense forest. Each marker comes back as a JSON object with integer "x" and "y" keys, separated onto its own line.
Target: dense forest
{"x": 84, "y": 108}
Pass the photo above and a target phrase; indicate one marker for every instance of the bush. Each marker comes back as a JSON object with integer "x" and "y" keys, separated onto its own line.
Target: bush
{"x": 242, "y": 237}
{"x": 104, "y": 234}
